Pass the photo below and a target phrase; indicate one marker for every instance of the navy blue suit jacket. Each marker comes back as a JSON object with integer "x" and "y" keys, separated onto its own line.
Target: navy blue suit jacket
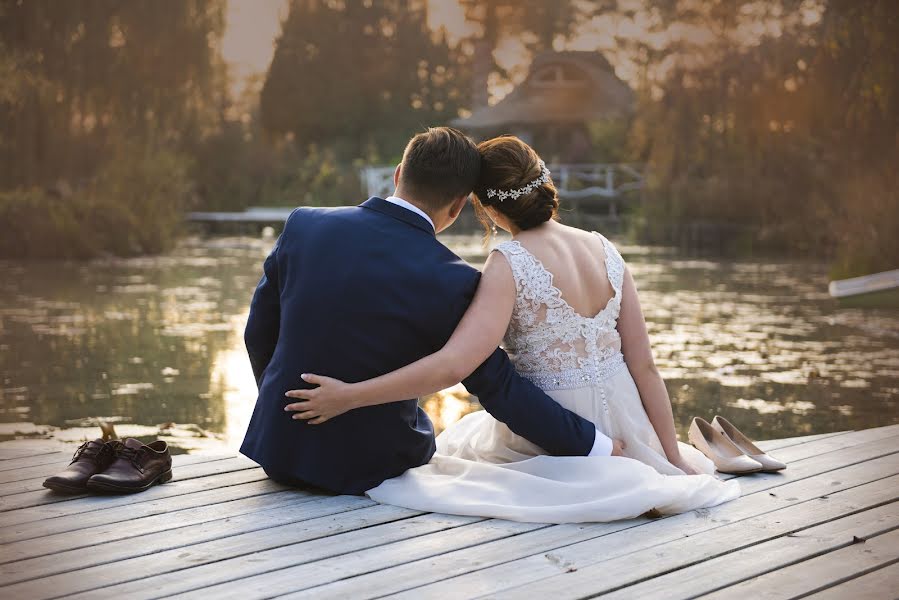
{"x": 353, "y": 293}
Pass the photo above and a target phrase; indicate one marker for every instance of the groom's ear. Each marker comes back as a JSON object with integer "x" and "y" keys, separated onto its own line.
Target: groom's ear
{"x": 457, "y": 206}
{"x": 396, "y": 175}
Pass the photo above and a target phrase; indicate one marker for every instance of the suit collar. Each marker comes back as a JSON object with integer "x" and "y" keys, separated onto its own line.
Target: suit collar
{"x": 398, "y": 212}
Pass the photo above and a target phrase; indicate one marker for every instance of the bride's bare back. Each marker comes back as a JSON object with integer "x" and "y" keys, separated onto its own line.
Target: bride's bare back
{"x": 576, "y": 260}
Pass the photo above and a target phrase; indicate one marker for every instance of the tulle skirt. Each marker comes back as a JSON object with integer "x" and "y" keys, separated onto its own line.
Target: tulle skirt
{"x": 481, "y": 468}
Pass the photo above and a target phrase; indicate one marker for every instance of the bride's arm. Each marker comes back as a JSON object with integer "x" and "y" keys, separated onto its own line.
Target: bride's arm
{"x": 476, "y": 337}
{"x": 638, "y": 355}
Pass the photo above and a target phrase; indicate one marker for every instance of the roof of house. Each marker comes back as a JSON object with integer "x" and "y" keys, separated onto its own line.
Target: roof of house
{"x": 560, "y": 87}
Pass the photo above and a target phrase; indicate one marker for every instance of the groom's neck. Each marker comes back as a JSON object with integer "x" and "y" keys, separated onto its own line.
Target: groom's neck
{"x": 428, "y": 210}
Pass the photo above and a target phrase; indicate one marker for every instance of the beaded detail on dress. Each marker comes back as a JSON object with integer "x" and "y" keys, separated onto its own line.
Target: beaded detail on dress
{"x": 548, "y": 342}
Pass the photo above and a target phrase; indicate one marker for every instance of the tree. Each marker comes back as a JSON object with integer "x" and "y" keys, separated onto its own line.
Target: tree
{"x": 359, "y": 76}
{"x": 100, "y": 101}
{"x": 793, "y": 133}
{"x": 89, "y": 74}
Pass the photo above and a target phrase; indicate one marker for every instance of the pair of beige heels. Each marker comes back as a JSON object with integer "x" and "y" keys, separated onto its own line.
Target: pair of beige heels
{"x": 730, "y": 450}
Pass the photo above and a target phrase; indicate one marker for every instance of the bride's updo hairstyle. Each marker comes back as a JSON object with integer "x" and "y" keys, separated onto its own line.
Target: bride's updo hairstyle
{"x": 509, "y": 164}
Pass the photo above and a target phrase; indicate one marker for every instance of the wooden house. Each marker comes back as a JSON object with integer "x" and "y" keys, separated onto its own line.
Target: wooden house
{"x": 554, "y": 108}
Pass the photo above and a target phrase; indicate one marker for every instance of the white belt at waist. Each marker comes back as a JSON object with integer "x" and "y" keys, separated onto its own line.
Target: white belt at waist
{"x": 575, "y": 378}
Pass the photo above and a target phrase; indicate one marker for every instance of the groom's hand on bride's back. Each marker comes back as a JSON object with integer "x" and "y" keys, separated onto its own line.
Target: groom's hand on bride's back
{"x": 617, "y": 447}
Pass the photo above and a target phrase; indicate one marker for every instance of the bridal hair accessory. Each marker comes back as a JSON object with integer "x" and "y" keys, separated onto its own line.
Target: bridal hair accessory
{"x": 503, "y": 194}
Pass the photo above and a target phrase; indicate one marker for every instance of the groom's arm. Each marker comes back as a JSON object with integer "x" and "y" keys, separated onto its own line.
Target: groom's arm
{"x": 261, "y": 334}
{"x": 531, "y": 413}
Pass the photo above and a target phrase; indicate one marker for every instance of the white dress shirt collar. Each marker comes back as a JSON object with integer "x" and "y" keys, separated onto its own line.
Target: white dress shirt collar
{"x": 409, "y": 206}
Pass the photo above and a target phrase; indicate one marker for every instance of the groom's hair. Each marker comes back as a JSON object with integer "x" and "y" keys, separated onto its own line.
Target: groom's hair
{"x": 440, "y": 165}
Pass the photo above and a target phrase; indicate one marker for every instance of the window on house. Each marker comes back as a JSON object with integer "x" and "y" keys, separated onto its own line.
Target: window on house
{"x": 555, "y": 75}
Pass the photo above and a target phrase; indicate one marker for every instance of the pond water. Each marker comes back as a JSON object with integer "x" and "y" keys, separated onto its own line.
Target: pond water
{"x": 154, "y": 345}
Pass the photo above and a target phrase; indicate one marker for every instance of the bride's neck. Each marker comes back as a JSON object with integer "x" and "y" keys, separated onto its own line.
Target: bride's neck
{"x": 541, "y": 227}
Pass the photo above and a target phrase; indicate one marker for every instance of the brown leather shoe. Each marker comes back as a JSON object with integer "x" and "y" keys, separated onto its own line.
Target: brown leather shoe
{"x": 90, "y": 458}
{"x": 136, "y": 467}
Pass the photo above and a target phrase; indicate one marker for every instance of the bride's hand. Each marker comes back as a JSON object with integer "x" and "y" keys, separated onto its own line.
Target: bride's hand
{"x": 685, "y": 466}
{"x": 332, "y": 397}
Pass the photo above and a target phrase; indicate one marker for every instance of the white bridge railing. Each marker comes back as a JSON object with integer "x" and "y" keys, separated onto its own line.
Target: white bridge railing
{"x": 574, "y": 181}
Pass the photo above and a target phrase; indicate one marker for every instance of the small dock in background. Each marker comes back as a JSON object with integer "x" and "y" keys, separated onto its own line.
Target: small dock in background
{"x": 254, "y": 214}
{"x": 598, "y": 188}
{"x": 826, "y": 528}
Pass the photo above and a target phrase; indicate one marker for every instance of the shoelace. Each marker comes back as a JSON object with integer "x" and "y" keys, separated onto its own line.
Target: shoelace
{"x": 90, "y": 451}
{"x": 132, "y": 454}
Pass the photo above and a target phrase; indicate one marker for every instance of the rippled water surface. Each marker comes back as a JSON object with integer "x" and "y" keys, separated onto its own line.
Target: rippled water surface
{"x": 154, "y": 345}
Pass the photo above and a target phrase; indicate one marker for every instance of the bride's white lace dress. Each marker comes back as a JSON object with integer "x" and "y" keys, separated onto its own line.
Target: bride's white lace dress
{"x": 482, "y": 468}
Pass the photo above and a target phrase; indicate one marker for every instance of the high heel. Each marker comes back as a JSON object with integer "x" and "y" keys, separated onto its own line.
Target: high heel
{"x": 728, "y": 458}
{"x": 725, "y": 427}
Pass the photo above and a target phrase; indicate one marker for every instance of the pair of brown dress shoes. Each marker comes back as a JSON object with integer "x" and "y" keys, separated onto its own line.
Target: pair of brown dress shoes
{"x": 121, "y": 466}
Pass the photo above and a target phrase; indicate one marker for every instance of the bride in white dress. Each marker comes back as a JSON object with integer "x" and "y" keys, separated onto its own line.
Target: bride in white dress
{"x": 566, "y": 308}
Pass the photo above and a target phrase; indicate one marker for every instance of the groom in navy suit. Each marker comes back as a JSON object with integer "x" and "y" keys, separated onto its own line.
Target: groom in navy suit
{"x": 356, "y": 292}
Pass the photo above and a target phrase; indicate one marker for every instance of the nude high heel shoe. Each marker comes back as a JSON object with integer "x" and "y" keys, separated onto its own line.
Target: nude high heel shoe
{"x": 769, "y": 463}
{"x": 728, "y": 458}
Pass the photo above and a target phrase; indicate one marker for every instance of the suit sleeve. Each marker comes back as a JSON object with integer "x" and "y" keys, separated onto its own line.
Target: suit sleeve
{"x": 527, "y": 410}
{"x": 261, "y": 333}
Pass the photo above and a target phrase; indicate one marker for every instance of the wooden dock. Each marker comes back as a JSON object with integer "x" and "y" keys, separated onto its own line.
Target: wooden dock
{"x": 827, "y": 527}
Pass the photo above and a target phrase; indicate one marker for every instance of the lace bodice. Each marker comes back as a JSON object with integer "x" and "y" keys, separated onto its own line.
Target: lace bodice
{"x": 550, "y": 343}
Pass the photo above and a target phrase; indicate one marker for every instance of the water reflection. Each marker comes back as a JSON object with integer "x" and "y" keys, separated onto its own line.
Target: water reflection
{"x": 150, "y": 344}
{"x": 154, "y": 345}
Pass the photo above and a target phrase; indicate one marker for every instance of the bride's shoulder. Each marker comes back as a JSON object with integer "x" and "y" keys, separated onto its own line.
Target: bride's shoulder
{"x": 507, "y": 249}
{"x": 607, "y": 244}
{"x": 508, "y": 260}
{"x": 598, "y": 235}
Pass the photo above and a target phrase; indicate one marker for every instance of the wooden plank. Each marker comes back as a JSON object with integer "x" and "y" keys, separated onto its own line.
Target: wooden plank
{"x": 875, "y": 585}
{"x": 45, "y": 470}
{"x": 302, "y": 508}
{"x": 82, "y": 504}
{"x": 770, "y": 445}
{"x": 306, "y": 574}
{"x": 329, "y": 536}
{"x": 835, "y": 443}
{"x": 759, "y": 501}
{"x": 621, "y": 566}
{"x": 31, "y": 479}
{"x": 104, "y": 532}
{"x": 116, "y": 515}
{"x": 11, "y": 453}
{"x": 404, "y": 573}
{"x": 822, "y": 572}
{"x": 718, "y": 573}
{"x": 44, "y": 496}
{"x": 370, "y": 526}
{"x": 38, "y": 459}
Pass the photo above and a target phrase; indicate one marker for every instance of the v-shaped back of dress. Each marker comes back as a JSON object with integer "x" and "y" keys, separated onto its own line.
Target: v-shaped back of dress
{"x": 547, "y": 340}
